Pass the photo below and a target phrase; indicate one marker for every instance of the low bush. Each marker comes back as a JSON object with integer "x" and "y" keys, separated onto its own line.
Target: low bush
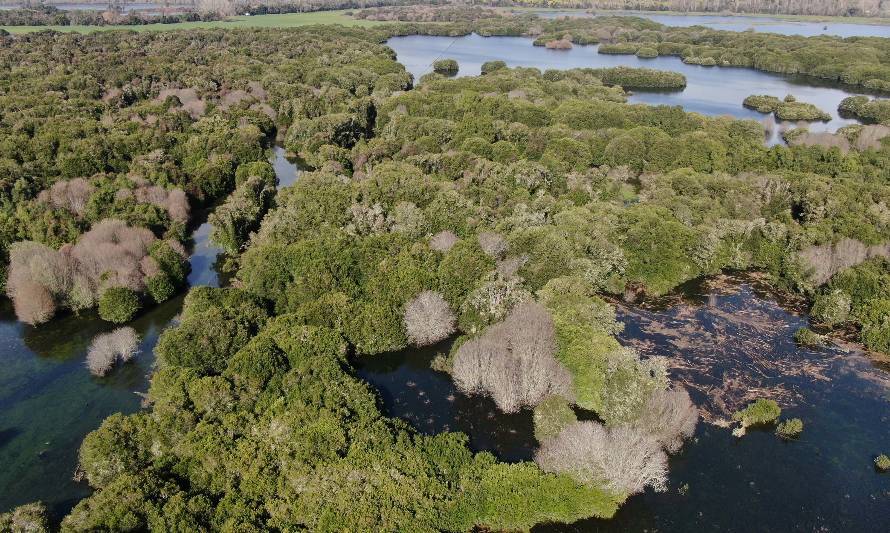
{"x": 760, "y": 412}
{"x": 446, "y": 67}
{"x": 790, "y": 429}
{"x": 119, "y": 305}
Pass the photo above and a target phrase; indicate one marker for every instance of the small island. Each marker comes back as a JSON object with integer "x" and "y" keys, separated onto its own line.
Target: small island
{"x": 787, "y": 109}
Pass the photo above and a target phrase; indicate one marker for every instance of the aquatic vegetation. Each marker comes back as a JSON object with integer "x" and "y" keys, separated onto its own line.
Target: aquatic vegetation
{"x": 109, "y": 349}
{"x": 882, "y": 463}
{"x": 760, "y": 412}
{"x": 790, "y": 429}
{"x": 808, "y": 337}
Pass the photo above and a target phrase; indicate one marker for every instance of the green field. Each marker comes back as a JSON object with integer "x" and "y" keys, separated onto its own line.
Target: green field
{"x": 289, "y": 20}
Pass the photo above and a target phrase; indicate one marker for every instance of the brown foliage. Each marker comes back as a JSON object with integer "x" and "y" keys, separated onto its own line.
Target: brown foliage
{"x": 514, "y": 361}
{"x": 107, "y": 349}
{"x": 428, "y": 319}
{"x": 625, "y": 459}
{"x": 71, "y": 195}
{"x": 670, "y": 417}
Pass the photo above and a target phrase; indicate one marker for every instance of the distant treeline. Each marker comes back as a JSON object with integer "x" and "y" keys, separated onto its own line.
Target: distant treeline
{"x": 842, "y": 8}
{"x": 52, "y": 16}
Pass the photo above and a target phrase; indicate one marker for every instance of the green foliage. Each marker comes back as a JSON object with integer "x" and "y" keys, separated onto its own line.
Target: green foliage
{"x": 119, "y": 305}
{"x": 875, "y": 318}
{"x": 446, "y": 67}
{"x": 759, "y": 412}
{"x": 790, "y": 429}
{"x": 215, "y": 324}
{"x": 882, "y": 463}
{"x": 490, "y": 66}
{"x": 28, "y": 518}
{"x": 552, "y": 416}
{"x": 809, "y": 338}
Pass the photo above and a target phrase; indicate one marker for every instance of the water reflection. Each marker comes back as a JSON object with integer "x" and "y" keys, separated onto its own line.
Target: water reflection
{"x": 729, "y": 339}
{"x": 48, "y": 399}
{"x": 428, "y": 399}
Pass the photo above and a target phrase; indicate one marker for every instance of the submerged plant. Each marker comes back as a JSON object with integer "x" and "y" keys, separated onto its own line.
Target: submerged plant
{"x": 790, "y": 429}
{"x": 882, "y": 462}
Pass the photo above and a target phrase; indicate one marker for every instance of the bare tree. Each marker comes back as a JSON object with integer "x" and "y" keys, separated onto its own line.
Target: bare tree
{"x": 34, "y": 303}
{"x": 428, "y": 319}
{"x": 108, "y": 349}
{"x": 625, "y": 459}
{"x": 492, "y": 243}
{"x": 514, "y": 361}
{"x": 71, "y": 195}
{"x": 443, "y": 241}
{"x": 670, "y": 417}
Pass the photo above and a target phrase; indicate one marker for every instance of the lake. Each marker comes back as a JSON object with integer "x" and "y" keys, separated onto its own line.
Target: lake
{"x": 49, "y": 400}
{"x": 709, "y": 90}
{"x": 729, "y": 340}
{"x": 764, "y": 24}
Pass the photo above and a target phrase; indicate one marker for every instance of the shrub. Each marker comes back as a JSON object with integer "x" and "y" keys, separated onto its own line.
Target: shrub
{"x": 443, "y": 241}
{"x": 428, "y": 319}
{"x": 790, "y": 429}
{"x": 875, "y": 318}
{"x": 28, "y": 518}
{"x": 832, "y": 308}
{"x": 513, "y": 361}
{"x": 108, "y": 349}
{"x": 118, "y": 305}
{"x": 761, "y": 411}
{"x": 493, "y": 244}
{"x": 490, "y": 66}
{"x": 551, "y": 417}
{"x": 670, "y": 417}
{"x": 446, "y": 67}
{"x": 809, "y": 338}
{"x": 625, "y": 458}
{"x": 882, "y": 462}
{"x": 646, "y": 52}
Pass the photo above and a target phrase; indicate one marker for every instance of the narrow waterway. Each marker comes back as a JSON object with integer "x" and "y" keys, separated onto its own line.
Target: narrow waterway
{"x": 710, "y": 91}
{"x": 728, "y": 340}
{"x": 48, "y": 399}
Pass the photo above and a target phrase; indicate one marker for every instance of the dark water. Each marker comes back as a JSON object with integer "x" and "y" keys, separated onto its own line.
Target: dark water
{"x": 430, "y": 401}
{"x": 48, "y": 399}
{"x": 729, "y": 340}
{"x": 709, "y": 90}
{"x": 762, "y": 24}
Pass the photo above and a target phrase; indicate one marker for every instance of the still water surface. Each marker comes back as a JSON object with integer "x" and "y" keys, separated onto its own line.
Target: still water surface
{"x": 48, "y": 399}
{"x": 728, "y": 339}
{"x": 709, "y": 90}
{"x": 762, "y": 24}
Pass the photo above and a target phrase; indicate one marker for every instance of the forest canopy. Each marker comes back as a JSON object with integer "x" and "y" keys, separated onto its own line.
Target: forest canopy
{"x": 505, "y": 211}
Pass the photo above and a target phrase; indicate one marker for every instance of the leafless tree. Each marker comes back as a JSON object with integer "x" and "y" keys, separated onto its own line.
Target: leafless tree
{"x": 625, "y": 459}
{"x": 443, "y": 241}
{"x": 492, "y": 243}
{"x": 108, "y": 349}
{"x": 870, "y": 136}
{"x": 71, "y": 195}
{"x": 428, "y": 319}
{"x": 670, "y": 417}
{"x": 513, "y": 361}
{"x": 34, "y": 303}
